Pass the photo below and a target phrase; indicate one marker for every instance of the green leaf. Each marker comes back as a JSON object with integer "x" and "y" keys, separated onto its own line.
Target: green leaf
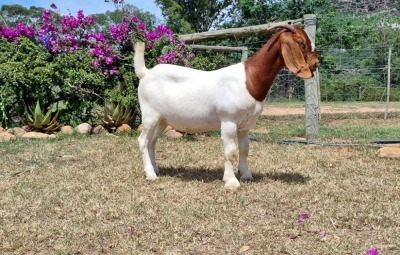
{"x": 38, "y": 116}
{"x": 117, "y": 112}
{"x": 47, "y": 118}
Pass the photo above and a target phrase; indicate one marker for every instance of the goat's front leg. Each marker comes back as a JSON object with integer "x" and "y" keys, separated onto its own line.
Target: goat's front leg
{"x": 243, "y": 137}
{"x": 228, "y": 133}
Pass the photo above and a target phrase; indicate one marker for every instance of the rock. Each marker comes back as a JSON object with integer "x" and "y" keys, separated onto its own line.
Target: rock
{"x": 37, "y": 135}
{"x": 18, "y": 132}
{"x": 5, "y": 136}
{"x": 123, "y": 129}
{"x": 26, "y": 128}
{"x": 389, "y": 152}
{"x": 173, "y": 134}
{"x": 68, "y": 130}
{"x": 84, "y": 128}
{"x": 99, "y": 130}
{"x": 168, "y": 128}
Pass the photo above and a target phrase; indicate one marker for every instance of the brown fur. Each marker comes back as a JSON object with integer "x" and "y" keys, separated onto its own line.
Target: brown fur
{"x": 285, "y": 48}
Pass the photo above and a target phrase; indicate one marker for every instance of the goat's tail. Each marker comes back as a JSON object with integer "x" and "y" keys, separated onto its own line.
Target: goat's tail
{"x": 139, "y": 64}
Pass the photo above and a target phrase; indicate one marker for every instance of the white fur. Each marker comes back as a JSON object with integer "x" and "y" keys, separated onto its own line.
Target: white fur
{"x": 196, "y": 101}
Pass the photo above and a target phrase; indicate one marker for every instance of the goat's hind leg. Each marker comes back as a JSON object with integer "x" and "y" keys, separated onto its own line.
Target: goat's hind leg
{"x": 147, "y": 140}
{"x": 160, "y": 127}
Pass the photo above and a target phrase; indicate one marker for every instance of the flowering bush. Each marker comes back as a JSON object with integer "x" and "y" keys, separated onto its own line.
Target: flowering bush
{"x": 13, "y": 34}
{"x": 82, "y": 66}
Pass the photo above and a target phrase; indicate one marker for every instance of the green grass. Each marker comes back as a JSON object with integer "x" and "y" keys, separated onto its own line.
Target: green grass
{"x": 81, "y": 195}
{"x": 359, "y": 127}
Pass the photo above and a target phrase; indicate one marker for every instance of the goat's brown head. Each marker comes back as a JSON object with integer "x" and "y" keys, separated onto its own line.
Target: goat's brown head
{"x": 299, "y": 53}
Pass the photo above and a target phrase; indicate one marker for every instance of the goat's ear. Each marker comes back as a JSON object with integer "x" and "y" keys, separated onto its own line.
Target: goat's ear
{"x": 293, "y": 56}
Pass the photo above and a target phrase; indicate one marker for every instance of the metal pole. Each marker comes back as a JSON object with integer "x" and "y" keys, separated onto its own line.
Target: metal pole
{"x": 388, "y": 84}
{"x": 311, "y": 85}
{"x": 245, "y": 53}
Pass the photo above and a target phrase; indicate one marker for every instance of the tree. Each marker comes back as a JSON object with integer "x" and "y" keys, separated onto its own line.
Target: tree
{"x": 187, "y": 16}
{"x": 104, "y": 20}
{"x": 12, "y": 14}
{"x": 254, "y": 12}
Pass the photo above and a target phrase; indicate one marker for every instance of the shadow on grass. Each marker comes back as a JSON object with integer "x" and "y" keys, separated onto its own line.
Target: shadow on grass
{"x": 210, "y": 175}
{"x": 193, "y": 174}
{"x": 290, "y": 178}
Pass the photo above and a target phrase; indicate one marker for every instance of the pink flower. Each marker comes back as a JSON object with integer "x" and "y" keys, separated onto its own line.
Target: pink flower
{"x": 114, "y": 72}
{"x": 54, "y": 6}
{"x": 109, "y": 60}
{"x": 372, "y": 251}
{"x": 135, "y": 18}
{"x": 292, "y": 236}
{"x": 95, "y": 63}
{"x": 141, "y": 26}
{"x": 46, "y": 16}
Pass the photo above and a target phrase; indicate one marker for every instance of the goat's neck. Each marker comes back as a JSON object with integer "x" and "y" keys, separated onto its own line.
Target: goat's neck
{"x": 262, "y": 68}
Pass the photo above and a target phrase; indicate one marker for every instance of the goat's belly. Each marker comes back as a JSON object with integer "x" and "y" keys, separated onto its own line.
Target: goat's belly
{"x": 193, "y": 125}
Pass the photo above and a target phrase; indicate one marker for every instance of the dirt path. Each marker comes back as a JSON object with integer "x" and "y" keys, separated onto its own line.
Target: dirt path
{"x": 287, "y": 109}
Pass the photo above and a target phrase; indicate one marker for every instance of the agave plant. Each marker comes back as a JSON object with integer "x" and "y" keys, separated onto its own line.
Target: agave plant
{"x": 42, "y": 123}
{"x": 116, "y": 115}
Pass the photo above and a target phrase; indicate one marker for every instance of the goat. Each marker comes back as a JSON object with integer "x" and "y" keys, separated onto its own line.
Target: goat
{"x": 230, "y": 99}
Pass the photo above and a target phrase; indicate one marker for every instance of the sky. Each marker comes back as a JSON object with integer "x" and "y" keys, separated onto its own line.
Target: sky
{"x": 88, "y": 6}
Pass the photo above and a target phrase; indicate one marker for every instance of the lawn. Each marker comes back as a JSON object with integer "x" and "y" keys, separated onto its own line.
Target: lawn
{"x": 88, "y": 195}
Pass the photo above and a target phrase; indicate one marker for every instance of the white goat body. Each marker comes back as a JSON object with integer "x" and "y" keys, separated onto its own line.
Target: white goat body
{"x": 229, "y": 99}
{"x": 195, "y": 101}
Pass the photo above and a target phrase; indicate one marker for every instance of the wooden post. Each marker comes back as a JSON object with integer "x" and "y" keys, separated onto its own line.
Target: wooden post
{"x": 235, "y": 32}
{"x": 311, "y": 85}
{"x": 388, "y": 84}
{"x": 244, "y": 50}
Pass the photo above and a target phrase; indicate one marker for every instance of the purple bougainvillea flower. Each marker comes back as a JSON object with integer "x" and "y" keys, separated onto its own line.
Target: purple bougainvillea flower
{"x": 132, "y": 230}
{"x": 114, "y": 72}
{"x": 292, "y": 236}
{"x": 372, "y": 251}
{"x": 322, "y": 233}
{"x": 75, "y": 33}
{"x": 302, "y": 217}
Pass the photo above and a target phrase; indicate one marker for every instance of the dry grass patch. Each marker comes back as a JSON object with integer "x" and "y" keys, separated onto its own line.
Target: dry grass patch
{"x": 89, "y": 196}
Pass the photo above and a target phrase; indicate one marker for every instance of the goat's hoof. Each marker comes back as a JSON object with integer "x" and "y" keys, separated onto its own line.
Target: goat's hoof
{"x": 247, "y": 177}
{"x": 232, "y": 184}
{"x": 151, "y": 177}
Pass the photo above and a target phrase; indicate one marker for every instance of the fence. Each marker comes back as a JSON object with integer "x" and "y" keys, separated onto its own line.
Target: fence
{"x": 348, "y": 73}
{"x": 354, "y": 61}
{"x": 310, "y": 85}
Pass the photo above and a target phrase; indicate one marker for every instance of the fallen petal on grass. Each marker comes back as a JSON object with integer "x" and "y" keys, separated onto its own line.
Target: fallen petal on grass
{"x": 302, "y": 217}
{"x": 322, "y": 233}
{"x": 132, "y": 230}
{"x": 292, "y": 236}
{"x": 372, "y": 251}
{"x": 244, "y": 248}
